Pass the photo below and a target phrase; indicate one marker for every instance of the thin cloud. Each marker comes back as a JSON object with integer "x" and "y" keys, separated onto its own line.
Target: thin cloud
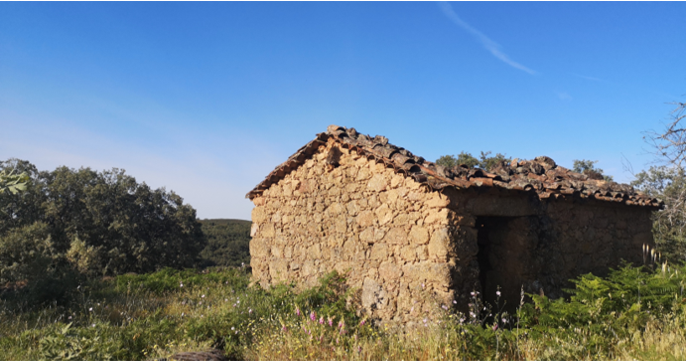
{"x": 490, "y": 45}
{"x": 589, "y": 78}
{"x": 564, "y": 96}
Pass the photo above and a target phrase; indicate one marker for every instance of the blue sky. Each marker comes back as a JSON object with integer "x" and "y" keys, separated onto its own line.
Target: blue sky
{"x": 207, "y": 98}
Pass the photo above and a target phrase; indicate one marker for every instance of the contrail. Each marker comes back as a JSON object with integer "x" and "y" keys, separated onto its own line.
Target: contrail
{"x": 490, "y": 45}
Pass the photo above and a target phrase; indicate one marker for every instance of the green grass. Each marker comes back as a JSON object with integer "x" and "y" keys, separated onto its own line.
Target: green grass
{"x": 633, "y": 314}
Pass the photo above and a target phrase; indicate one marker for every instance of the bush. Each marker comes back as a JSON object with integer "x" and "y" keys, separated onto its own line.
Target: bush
{"x": 103, "y": 223}
{"x": 139, "y": 317}
{"x": 26, "y": 253}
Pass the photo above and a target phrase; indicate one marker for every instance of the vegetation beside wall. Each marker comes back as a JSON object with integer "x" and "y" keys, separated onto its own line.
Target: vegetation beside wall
{"x": 635, "y": 313}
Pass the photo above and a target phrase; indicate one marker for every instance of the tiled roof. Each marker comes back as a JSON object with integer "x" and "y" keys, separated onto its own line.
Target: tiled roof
{"x": 540, "y": 175}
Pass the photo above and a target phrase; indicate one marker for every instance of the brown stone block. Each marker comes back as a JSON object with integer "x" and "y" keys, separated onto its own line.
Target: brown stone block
{"x": 439, "y": 243}
{"x": 363, "y": 174}
{"x": 278, "y": 269}
{"x": 259, "y": 247}
{"x": 349, "y": 250}
{"x": 397, "y": 180}
{"x": 287, "y": 191}
{"x": 422, "y": 253}
{"x": 437, "y": 217}
{"x": 408, "y": 253}
{"x": 378, "y": 183}
{"x": 373, "y": 296}
{"x": 392, "y": 197}
{"x": 316, "y": 251}
{"x": 353, "y": 208}
{"x": 384, "y": 214}
{"x": 379, "y": 234}
{"x": 352, "y": 172}
{"x": 396, "y": 235}
{"x": 379, "y": 251}
{"x": 419, "y": 235}
{"x": 373, "y": 200}
{"x": 411, "y": 272}
{"x": 277, "y": 251}
{"x": 259, "y": 214}
{"x": 340, "y": 224}
{"x": 389, "y": 271}
{"x": 286, "y": 220}
{"x": 335, "y": 191}
{"x": 367, "y": 235}
{"x": 276, "y": 217}
{"x": 309, "y": 268}
{"x": 438, "y": 273}
{"x": 415, "y": 196}
{"x": 438, "y": 200}
{"x": 383, "y": 197}
{"x": 366, "y": 219}
{"x": 254, "y": 228}
{"x": 402, "y": 220}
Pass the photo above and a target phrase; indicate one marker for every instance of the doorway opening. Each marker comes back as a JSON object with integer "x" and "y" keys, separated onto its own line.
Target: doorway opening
{"x": 504, "y": 258}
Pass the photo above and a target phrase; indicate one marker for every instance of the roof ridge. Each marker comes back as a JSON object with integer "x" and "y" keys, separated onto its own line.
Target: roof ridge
{"x": 541, "y": 174}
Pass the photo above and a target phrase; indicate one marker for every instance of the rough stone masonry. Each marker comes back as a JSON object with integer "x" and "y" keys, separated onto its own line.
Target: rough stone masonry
{"x": 414, "y": 237}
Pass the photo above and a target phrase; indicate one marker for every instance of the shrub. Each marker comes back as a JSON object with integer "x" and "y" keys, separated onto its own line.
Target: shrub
{"x": 102, "y": 222}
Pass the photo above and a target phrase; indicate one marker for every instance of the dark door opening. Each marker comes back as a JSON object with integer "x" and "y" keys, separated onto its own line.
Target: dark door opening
{"x": 504, "y": 257}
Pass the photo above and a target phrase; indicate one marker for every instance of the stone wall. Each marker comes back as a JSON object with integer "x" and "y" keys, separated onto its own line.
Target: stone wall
{"x": 389, "y": 233}
{"x": 541, "y": 244}
{"x": 592, "y": 236}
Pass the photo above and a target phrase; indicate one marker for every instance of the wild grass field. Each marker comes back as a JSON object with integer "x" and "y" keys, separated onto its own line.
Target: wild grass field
{"x": 633, "y": 314}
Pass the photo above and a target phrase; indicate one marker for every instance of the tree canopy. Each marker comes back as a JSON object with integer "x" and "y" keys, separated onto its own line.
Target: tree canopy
{"x": 588, "y": 167}
{"x": 97, "y": 222}
{"x": 667, "y": 181}
{"x": 485, "y": 161}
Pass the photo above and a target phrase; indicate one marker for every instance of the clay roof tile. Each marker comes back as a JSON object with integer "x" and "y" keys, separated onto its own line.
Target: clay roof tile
{"x": 541, "y": 175}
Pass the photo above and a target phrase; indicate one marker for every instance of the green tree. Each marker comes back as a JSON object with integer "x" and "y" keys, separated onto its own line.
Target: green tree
{"x": 12, "y": 182}
{"x": 485, "y": 161}
{"x": 669, "y": 225}
{"x": 587, "y": 167}
{"x": 103, "y": 222}
{"x": 666, "y": 181}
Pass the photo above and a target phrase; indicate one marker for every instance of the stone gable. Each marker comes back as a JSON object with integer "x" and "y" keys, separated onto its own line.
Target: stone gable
{"x": 389, "y": 233}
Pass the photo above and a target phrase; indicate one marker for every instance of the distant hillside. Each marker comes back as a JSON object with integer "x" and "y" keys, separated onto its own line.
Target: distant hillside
{"x": 228, "y": 242}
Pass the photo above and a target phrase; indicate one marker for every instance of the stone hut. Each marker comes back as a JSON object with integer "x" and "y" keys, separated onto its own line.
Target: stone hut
{"x": 413, "y": 236}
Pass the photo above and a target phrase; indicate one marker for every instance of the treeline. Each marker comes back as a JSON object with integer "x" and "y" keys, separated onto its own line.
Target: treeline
{"x": 228, "y": 242}
{"x": 67, "y": 223}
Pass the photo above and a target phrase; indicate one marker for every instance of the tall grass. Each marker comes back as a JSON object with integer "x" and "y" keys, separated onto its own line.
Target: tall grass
{"x": 633, "y": 314}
